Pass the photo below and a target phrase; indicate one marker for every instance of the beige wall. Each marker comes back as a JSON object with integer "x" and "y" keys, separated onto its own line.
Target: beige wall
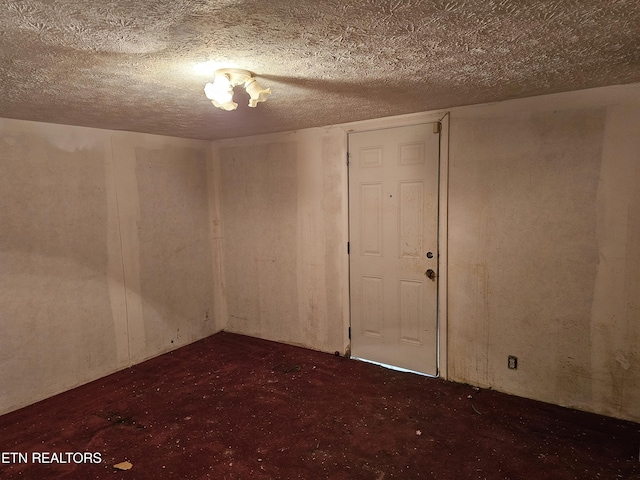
{"x": 283, "y": 209}
{"x": 106, "y": 254}
{"x": 544, "y": 248}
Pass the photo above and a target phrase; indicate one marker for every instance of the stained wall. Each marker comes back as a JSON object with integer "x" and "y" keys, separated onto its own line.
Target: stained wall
{"x": 106, "y": 254}
{"x": 283, "y": 209}
{"x": 544, "y": 248}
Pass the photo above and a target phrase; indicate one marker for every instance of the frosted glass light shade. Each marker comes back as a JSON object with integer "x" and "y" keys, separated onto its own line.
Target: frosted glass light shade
{"x": 220, "y": 92}
{"x": 256, "y": 92}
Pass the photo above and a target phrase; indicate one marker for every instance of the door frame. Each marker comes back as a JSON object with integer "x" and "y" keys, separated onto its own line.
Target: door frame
{"x": 443, "y": 209}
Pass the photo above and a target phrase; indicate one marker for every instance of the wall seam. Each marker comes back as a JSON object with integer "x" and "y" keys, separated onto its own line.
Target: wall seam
{"x": 124, "y": 280}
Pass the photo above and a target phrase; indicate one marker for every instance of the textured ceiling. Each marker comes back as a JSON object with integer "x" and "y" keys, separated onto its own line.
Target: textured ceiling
{"x": 129, "y": 65}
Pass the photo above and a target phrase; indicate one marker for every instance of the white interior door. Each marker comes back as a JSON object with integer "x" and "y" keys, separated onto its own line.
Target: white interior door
{"x": 393, "y": 216}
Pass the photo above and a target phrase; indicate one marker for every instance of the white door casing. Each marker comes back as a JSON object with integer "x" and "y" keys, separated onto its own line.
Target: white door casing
{"x": 393, "y": 218}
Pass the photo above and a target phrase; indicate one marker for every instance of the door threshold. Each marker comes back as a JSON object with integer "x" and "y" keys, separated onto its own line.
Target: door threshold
{"x": 398, "y": 369}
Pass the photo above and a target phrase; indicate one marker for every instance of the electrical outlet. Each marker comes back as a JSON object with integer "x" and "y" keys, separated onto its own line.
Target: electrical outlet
{"x": 512, "y": 362}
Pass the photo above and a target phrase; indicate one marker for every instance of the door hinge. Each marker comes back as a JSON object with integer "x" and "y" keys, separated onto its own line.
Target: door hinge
{"x": 348, "y": 248}
{"x": 436, "y": 127}
{"x": 347, "y": 159}
{"x": 349, "y": 333}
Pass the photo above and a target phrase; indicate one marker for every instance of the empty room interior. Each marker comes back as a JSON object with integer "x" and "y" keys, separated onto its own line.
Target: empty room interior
{"x": 404, "y": 242}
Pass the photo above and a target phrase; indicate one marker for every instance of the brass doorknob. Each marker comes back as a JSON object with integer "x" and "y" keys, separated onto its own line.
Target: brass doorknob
{"x": 430, "y": 274}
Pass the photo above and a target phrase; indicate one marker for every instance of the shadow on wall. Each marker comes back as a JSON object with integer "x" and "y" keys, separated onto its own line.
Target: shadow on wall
{"x": 55, "y": 303}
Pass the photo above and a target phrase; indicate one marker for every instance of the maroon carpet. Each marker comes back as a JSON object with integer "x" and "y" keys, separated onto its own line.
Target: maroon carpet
{"x": 234, "y": 407}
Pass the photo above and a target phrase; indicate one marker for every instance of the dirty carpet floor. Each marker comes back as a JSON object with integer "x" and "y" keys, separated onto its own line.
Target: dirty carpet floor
{"x": 235, "y": 407}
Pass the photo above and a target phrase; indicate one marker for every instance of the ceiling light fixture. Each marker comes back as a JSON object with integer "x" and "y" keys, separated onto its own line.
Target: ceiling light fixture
{"x": 220, "y": 92}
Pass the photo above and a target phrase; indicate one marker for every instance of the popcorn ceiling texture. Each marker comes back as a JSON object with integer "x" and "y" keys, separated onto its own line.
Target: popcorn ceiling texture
{"x": 128, "y": 65}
